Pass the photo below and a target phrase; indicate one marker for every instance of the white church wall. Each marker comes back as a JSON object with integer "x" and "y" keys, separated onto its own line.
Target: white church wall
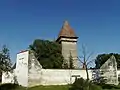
{"x": 118, "y": 72}
{"x": 109, "y": 70}
{"x": 22, "y": 68}
{"x": 57, "y": 76}
{"x": 7, "y": 77}
{"x": 48, "y": 77}
{"x": 29, "y": 72}
{"x": 34, "y": 79}
{"x": 34, "y": 71}
{"x": 61, "y": 77}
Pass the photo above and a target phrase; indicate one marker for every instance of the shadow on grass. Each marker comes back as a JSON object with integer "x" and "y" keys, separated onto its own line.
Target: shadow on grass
{"x": 10, "y": 86}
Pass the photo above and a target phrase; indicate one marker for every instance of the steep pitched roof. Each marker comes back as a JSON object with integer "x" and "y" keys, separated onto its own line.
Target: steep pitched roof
{"x": 66, "y": 31}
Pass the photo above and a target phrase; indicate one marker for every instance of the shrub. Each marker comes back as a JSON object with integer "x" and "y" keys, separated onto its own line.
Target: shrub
{"x": 81, "y": 84}
{"x": 109, "y": 86}
{"x": 9, "y": 86}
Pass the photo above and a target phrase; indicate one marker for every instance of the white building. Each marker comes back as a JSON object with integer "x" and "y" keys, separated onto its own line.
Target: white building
{"x": 29, "y": 72}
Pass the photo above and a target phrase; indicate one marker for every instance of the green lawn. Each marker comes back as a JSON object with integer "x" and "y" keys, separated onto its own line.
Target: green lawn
{"x": 56, "y": 87}
{"x": 52, "y": 87}
{"x": 49, "y": 88}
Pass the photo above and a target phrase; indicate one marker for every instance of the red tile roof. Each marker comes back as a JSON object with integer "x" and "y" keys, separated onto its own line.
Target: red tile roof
{"x": 66, "y": 31}
{"x": 23, "y": 51}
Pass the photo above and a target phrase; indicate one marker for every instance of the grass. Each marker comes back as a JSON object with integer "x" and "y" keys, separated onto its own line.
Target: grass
{"x": 52, "y": 87}
{"x": 49, "y": 88}
{"x": 16, "y": 87}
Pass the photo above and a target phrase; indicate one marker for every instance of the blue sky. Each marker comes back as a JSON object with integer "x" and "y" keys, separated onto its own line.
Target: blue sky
{"x": 96, "y": 22}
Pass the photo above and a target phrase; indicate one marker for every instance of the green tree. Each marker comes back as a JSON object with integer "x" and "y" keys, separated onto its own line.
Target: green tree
{"x": 5, "y": 61}
{"x": 48, "y": 53}
{"x": 102, "y": 58}
{"x": 81, "y": 84}
{"x": 71, "y": 66}
{"x": 65, "y": 65}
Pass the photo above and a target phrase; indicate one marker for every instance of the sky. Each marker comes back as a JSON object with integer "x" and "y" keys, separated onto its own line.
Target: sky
{"x": 96, "y": 23}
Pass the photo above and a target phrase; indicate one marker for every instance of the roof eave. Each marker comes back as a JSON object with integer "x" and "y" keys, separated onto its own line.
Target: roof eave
{"x": 75, "y": 37}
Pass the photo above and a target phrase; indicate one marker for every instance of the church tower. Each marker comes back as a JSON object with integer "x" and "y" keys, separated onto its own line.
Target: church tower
{"x": 68, "y": 39}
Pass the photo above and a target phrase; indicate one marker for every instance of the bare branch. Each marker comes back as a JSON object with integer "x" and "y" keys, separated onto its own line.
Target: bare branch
{"x": 90, "y": 61}
{"x": 85, "y": 59}
{"x": 89, "y": 56}
{"x": 81, "y": 57}
{"x": 84, "y": 51}
{"x": 80, "y": 60}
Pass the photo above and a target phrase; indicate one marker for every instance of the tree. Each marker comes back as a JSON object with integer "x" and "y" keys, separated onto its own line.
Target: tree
{"x": 71, "y": 66}
{"x": 81, "y": 84}
{"x": 48, "y": 53}
{"x": 85, "y": 60}
{"x": 5, "y": 61}
{"x": 102, "y": 58}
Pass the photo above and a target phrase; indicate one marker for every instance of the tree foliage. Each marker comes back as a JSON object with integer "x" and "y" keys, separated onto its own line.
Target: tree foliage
{"x": 48, "y": 53}
{"x": 71, "y": 66}
{"x": 81, "y": 84}
{"x": 102, "y": 58}
{"x": 5, "y": 61}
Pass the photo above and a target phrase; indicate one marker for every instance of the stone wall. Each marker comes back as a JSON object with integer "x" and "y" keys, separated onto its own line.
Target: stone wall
{"x": 47, "y": 77}
{"x": 109, "y": 70}
{"x": 7, "y": 77}
{"x": 50, "y": 77}
{"x": 56, "y": 76}
{"x": 67, "y": 48}
{"x": 21, "y": 70}
{"x": 34, "y": 71}
{"x": 29, "y": 72}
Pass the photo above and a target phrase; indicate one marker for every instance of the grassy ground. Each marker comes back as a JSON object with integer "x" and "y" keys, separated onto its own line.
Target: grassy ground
{"x": 49, "y": 88}
{"x": 9, "y": 87}
{"x": 63, "y": 87}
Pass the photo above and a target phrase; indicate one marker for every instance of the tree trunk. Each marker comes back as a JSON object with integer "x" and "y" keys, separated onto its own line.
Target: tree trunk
{"x": 87, "y": 73}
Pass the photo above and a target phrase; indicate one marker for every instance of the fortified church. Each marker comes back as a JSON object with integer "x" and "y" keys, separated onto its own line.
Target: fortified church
{"x": 28, "y": 71}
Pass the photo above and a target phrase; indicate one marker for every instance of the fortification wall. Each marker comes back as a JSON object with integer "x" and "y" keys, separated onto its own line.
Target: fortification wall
{"x": 7, "y": 77}
{"x": 50, "y": 77}
{"x": 56, "y": 76}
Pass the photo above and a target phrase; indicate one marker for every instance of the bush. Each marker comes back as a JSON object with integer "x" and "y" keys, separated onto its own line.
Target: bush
{"x": 10, "y": 86}
{"x": 81, "y": 84}
{"x": 109, "y": 86}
